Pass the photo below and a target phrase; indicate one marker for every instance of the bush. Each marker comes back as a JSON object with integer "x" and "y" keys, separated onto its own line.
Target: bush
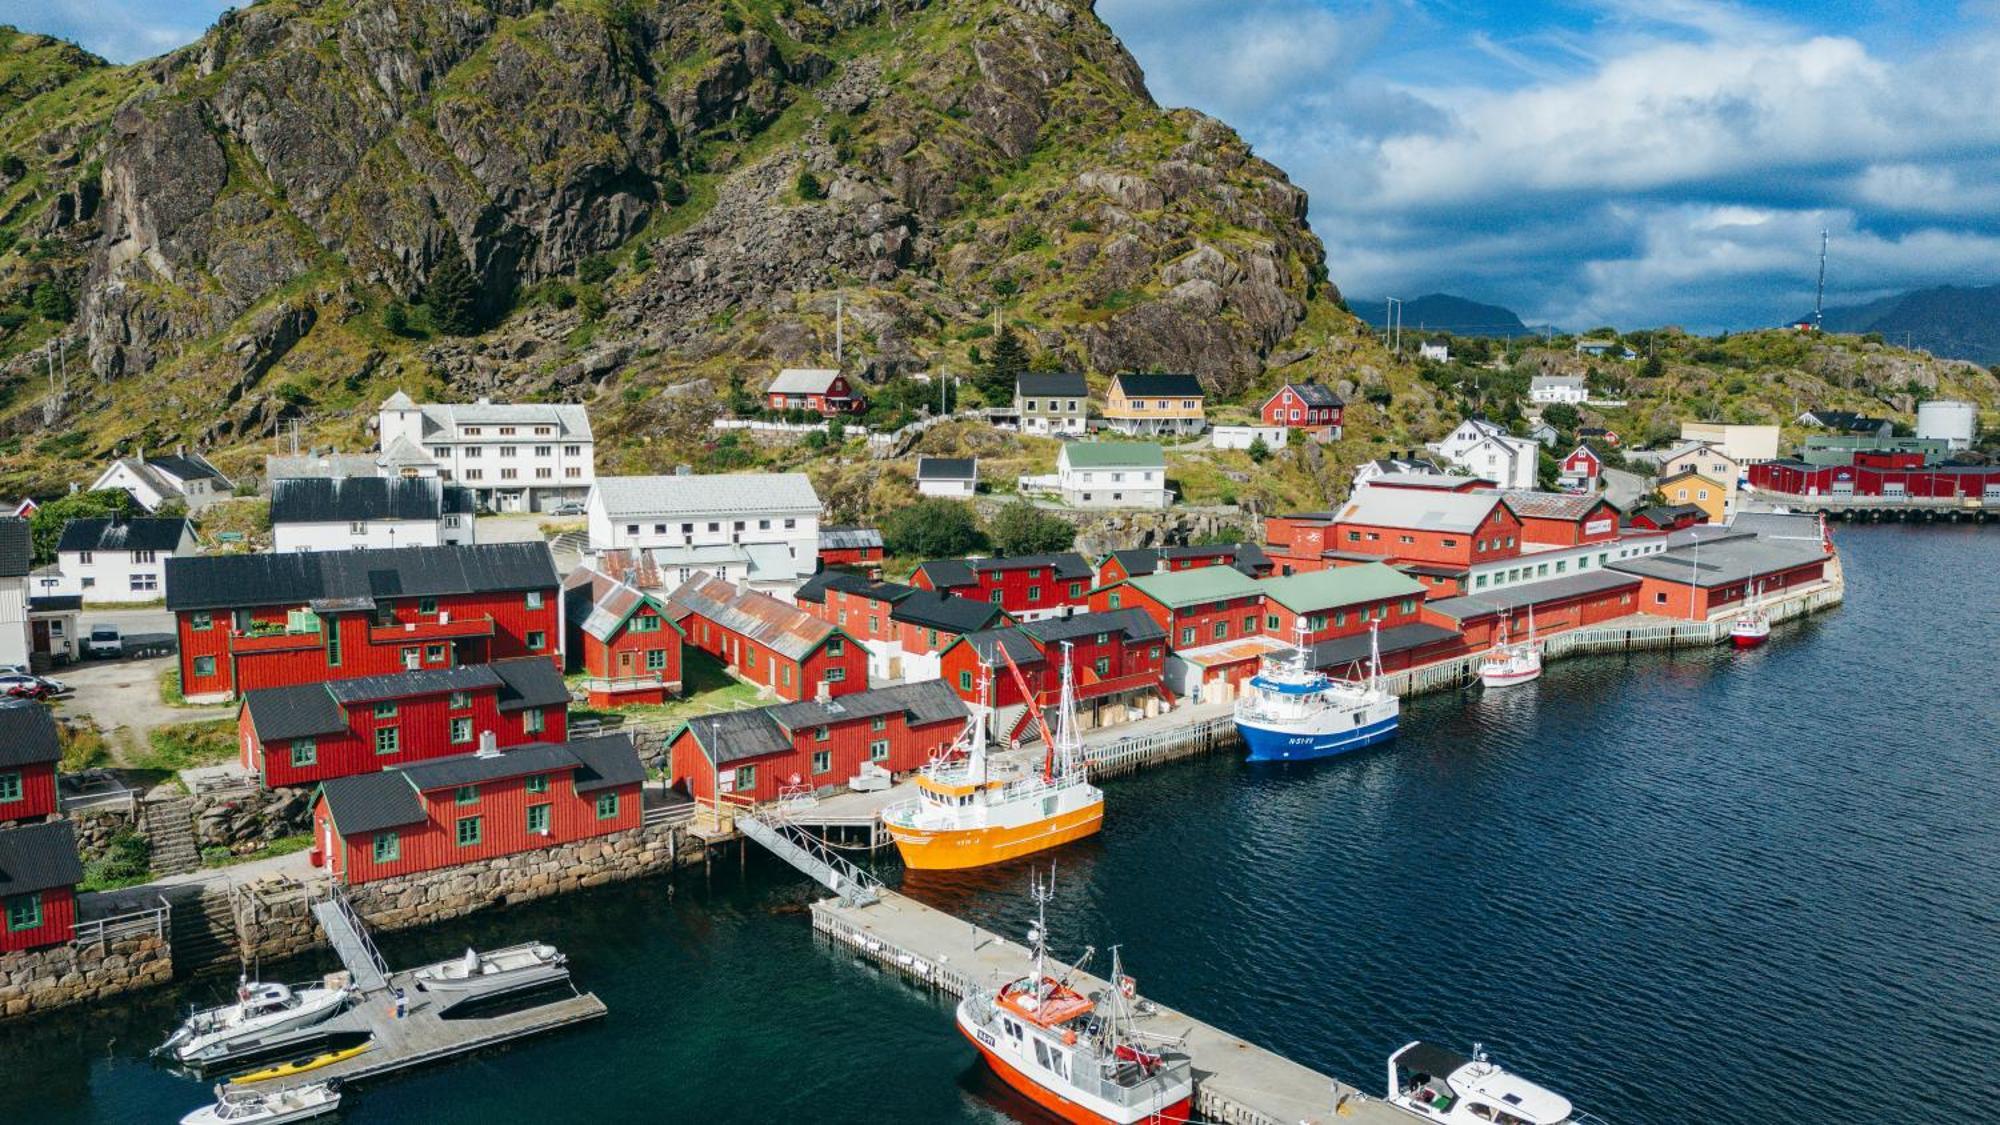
{"x": 1260, "y": 450}
{"x": 594, "y": 269}
{"x": 452, "y": 292}
{"x": 396, "y": 318}
{"x": 931, "y": 528}
{"x": 1023, "y": 529}
{"x": 127, "y": 859}
{"x": 808, "y": 186}
{"x": 591, "y": 303}
{"x": 53, "y": 302}
{"x": 1027, "y": 238}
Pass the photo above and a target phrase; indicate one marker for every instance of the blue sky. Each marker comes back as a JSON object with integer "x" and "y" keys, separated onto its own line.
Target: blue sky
{"x": 1632, "y": 162}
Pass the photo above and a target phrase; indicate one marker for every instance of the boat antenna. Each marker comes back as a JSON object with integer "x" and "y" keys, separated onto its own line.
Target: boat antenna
{"x": 1374, "y": 655}
{"x": 975, "y": 754}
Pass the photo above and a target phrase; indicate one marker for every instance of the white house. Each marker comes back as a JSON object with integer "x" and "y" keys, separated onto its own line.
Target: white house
{"x": 1434, "y": 352}
{"x": 1113, "y": 474}
{"x": 16, "y": 559}
{"x": 360, "y": 513}
{"x": 768, "y": 522}
{"x": 515, "y": 457}
{"x": 1384, "y": 466}
{"x": 154, "y": 481}
{"x": 956, "y": 477}
{"x": 118, "y": 560}
{"x": 1558, "y": 388}
{"x": 1243, "y": 437}
{"x": 1487, "y": 450}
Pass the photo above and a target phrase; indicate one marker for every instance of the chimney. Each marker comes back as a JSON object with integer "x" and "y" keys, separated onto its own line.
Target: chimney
{"x": 488, "y": 748}
{"x": 743, "y": 585}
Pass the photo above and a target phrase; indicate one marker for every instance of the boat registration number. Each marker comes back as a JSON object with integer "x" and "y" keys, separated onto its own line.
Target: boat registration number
{"x": 983, "y": 1037}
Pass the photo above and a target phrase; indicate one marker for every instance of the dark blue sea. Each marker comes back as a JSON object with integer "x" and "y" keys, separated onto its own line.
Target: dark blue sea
{"x": 1695, "y": 886}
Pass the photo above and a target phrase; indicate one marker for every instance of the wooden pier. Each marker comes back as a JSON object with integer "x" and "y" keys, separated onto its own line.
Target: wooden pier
{"x": 1236, "y": 1082}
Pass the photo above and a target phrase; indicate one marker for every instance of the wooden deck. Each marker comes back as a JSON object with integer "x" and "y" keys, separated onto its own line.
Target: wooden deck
{"x": 1236, "y": 1082}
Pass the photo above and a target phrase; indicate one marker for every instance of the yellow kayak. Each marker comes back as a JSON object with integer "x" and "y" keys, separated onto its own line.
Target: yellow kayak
{"x": 299, "y": 1066}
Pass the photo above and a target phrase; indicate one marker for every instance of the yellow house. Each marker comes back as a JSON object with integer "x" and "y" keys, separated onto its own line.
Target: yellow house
{"x": 1155, "y": 404}
{"x": 1710, "y": 461}
{"x": 1690, "y": 487}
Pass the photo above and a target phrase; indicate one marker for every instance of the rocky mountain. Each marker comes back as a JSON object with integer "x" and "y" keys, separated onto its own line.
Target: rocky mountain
{"x": 1442, "y": 312}
{"x": 1956, "y": 322}
{"x": 627, "y": 202}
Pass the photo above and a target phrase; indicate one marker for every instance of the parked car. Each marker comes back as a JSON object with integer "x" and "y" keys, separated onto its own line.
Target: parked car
{"x": 104, "y": 640}
{"x": 25, "y": 687}
{"x": 567, "y": 508}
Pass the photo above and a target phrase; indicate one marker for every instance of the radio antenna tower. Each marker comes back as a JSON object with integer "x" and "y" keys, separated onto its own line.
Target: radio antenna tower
{"x": 1819, "y": 299}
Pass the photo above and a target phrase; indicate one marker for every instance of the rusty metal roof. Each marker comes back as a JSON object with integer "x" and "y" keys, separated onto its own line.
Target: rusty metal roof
{"x": 778, "y": 626}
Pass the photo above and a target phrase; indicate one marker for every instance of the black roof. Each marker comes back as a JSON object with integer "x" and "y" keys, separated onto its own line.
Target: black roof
{"x": 370, "y": 802}
{"x": 1312, "y": 394}
{"x": 195, "y": 467}
{"x": 28, "y": 736}
{"x": 459, "y": 500}
{"x": 529, "y": 681}
{"x": 1137, "y": 561}
{"x": 1140, "y": 384}
{"x": 416, "y": 681}
{"x": 356, "y": 577}
{"x": 947, "y": 468}
{"x": 471, "y": 769}
{"x": 1140, "y": 561}
{"x": 847, "y": 582}
{"x": 141, "y": 533}
{"x": 605, "y": 762}
{"x": 17, "y": 553}
{"x": 945, "y": 573}
{"x": 1060, "y": 384}
{"x": 55, "y": 603}
{"x": 348, "y": 499}
{"x": 937, "y": 609}
{"x": 38, "y": 857}
{"x": 1027, "y": 640}
{"x": 926, "y": 701}
{"x": 1344, "y": 651}
{"x": 279, "y": 714}
{"x": 735, "y": 735}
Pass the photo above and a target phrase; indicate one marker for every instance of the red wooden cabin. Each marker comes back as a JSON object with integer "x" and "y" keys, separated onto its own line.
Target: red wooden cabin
{"x": 472, "y": 807}
{"x": 255, "y": 621}
{"x": 39, "y": 872}
{"x": 751, "y": 757}
{"x": 1117, "y": 658}
{"x": 1136, "y": 562}
{"x": 309, "y": 733}
{"x": 1342, "y": 602}
{"x": 906, "y": 618}
{"x": 1191, "y": 608}
{"x": 820, "y": 390}
{"x": 857, "y": 547}
{"x": 622, "y": 637}
{"x": 1664, "y": 517}
{"x": 1026, "y": 586}
{"x": 1583, "y": 466}
{"x": 29, "y": 751}
{"x": 1303, "y": 406}
{"x": 769, "y": 642}
{"x": 1563, "y": 520}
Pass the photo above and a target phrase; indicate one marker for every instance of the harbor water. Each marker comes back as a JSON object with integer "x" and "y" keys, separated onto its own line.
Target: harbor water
{"x": 1700, "y": 886}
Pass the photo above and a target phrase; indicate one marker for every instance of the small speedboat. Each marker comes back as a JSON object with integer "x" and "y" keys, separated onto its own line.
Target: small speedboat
{"x": 1750, "y": 629}
{"x": 300, "y": 1065}
{"x": 1439, "y": 1084}
{"x": 261, "y": 1011}
{"x": 513, "y": 969}
{"x": 245, "y": 1107}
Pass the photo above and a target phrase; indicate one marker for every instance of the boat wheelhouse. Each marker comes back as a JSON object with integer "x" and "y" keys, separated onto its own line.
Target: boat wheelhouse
{"x": 1291, "y": 712}
{"x": 1439, "y": 1084}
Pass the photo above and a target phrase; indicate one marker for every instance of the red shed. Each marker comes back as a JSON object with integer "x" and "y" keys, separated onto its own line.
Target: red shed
{"x": 1303, "y": 406}
{"x": 1562, "y": 519}
{"x": 1136, "y": 562}
{"x": 622, "y": 637}
{"x": 1026, "y": 586}
{"x": 1583, "y": 466}
{"x": 1663, "y": 517}
{"x": 767, "y": 641}
{"x": 29, "y": 751}
{"x": 255, "y": 621}
{"x": 751, "y": 757}
{"x": 821, "y": 390}
{"x": 1937, "y": 482}
{"x": 452, "y": 811}
{"x": 308, "y": 733}
{"x": 39, "y": 872}
{"x": 857, "y": 547}
{"x": 1297, "y": 543}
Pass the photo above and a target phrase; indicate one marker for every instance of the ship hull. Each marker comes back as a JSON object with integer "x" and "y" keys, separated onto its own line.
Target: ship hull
{"x": 1063, "y": 1108}
{"x": 1271, "y": 744}
{"x": 958, "y": 849}
{"x": 1497, "y": 679}
{"x": 1749, "y": 640}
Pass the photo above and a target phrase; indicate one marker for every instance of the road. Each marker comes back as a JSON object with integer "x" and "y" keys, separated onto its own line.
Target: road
{"x": 1623, "y": 489}
{"x": 122, "y": 696}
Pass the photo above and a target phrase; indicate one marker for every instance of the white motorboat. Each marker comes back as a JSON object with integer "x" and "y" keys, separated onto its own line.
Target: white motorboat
{"x": 512, "y": 969}
{"x": 261, "y": 1011}
{"x": 1439, "y": 1084}
{"x": 1509, "y": 663}
{"x": 242, "y": 1107}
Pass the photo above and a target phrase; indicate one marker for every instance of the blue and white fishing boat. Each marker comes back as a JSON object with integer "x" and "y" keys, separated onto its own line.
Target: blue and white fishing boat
{"x": 1290, "y": 713}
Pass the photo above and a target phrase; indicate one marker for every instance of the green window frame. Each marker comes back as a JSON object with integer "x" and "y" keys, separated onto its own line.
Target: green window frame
{"x": 458, "y": 700}
{"x": 461, "y": 730}
{"x": 1103, "y": 666}
{"x": 534, "y": 599}
{"x": 10, "y": 786}
{"x": 427, "y": 605}
{"x": 1153, "y": 653}
{"x": 305, "y": 752}
{"x": 469, "y": 831}
{"x": 995, "y": 599}
{"x": 537, "y": 640}
{"x": 607, "y": 805}
{"x": 24, "y": 912}
{"x": 537, "y": 783}
{"x": 1034, "y": 593}
{"x": 1249, "y": 624}
{"x": 1111, "y": 601}
{"x": 533, "y": 720}
{"x": 822, "y": 761}
{"x": 965, "y": 681}
{"x": 1187, "y": 635}
{"x": 1271, "y": 622}
{"x": 878, "y": 750}
{"x": 204, "y": 666}
{"x": 385, "y": 710}
{"x": 746, "y": 778}
{"x": 645, "y": 623}
{"x": 465, "y": 795}
{"x": 1076, "y": 589}
{"x": 1409, "y": 605}
{"x": 1103, "y": 638}
{"x": 387, "y": 847}
{"x": 836, "y": 675}
{"x": 434, "y": 654}
{"x": 932, "y": 637}
{"x": 1221, "y": 630}
{"x": 388, "y": 740}
{"x": 331, "y": 627}
{"x": 821, "y": 734}
{"x": 879, "y": 723}
{"x": 656, "y": 660}
{"x": 201, "y": 622}
{"x": 835, "y": 646}
{"x": 538, "y": 820}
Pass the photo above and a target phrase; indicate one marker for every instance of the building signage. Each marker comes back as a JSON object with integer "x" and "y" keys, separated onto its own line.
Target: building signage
{"x": 1596, "y": 527}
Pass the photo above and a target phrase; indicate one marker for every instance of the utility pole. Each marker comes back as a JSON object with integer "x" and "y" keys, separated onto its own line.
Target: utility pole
{"x": 1819, "y": 299}
{"x": 839, "y": 330}
{"x": 1392, "y": 325}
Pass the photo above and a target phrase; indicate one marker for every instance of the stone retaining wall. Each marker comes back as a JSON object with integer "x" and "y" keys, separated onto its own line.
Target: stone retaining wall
{"x": 37, "y": 980}
{"x": 95, "y": 828}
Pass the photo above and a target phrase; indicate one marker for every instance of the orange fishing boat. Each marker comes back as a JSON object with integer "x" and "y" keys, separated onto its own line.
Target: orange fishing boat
{"x": 971, "y": 812}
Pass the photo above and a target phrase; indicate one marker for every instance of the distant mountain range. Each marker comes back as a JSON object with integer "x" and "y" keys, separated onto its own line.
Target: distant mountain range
{"x": 1442, "y": 312}
{"x": 1950, "y": 321}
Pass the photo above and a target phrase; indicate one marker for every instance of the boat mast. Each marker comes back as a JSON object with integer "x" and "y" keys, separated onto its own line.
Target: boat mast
{"x": 1374, "y": 656}
{"x": 975, "y": 754}
{"x": 1065, "y": 733}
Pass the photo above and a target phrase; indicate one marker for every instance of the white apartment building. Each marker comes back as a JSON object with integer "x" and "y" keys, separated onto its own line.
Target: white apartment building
{"x": 1558, "y": 388}
{"x": 1539, "y": 563}
{"x": 116, "y": 560}
{"x": 364, "y": 513}
{"x": 1113, "y": 474}
{"x": 1486, "y": 450}
{"x": 771, "y": 520}
{"x": 515, "y": 457}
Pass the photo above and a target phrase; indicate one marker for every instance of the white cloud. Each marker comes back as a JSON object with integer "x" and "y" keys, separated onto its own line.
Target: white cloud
{"x": 119, "y": 30}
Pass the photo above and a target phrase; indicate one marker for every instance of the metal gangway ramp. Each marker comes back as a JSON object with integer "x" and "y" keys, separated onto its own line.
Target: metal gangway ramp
{"x": 810, "y": 854}
{"x": 350, "y": 941}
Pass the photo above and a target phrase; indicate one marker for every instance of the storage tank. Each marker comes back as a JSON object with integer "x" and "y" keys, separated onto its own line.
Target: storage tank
{"x": 1948, "y": 420}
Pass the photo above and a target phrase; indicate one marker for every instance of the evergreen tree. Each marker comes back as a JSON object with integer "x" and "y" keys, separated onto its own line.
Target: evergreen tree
{"x": 452, "y": 293}
{"x": 997, "y": 375}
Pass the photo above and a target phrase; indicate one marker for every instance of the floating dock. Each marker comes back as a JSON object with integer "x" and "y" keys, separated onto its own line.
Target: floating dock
{"x": 1236, "y": 1082}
